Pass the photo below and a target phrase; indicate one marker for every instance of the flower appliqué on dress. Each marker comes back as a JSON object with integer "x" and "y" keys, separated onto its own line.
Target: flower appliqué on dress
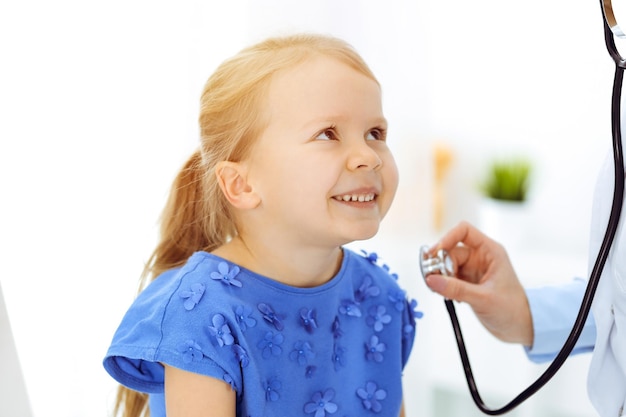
{"x": 371, "y": 396}
{"x": 372, "y": 257}
{"x": 339, "y": 357}
{"x": 221, "y": 331}
{"x": 321, "y": 403}
{"x": 349, "y": 308}
{"x": 243, "y": 314}
{"x": 398, "y": 299}
{"x": 191, "y": 351}
{"x": 270, "y": 345}
{"x": 310, "y": 371}
{"x": 409, "y": 326}
{"x": 228, "y": 277}
{"x": 378, "y": 317}
{"x": 374, "y": 349}
{"x": 366, "y": 290}
{"x": 229, "y": 380}
{"x": 416, "y": 314}
{"x": 193, "y": 296}
{"x": 301, "y": 352}
{"x": 271, "y": 316}
{"x": 336, "y": 328}
{"x": 241, "y": 355}
{"x": 272, "y": 387}
{"x": 308, "y": 319}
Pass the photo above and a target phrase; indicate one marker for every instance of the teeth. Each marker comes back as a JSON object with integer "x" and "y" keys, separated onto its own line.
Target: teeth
{"x": 356, "y": 197}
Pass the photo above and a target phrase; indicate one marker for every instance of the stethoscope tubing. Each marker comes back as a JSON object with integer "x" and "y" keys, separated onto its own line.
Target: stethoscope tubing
{"x": 603, "y": 253}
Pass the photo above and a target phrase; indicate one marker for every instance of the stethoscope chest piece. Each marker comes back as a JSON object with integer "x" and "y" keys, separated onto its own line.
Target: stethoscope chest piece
{"x": 440, "y": 263}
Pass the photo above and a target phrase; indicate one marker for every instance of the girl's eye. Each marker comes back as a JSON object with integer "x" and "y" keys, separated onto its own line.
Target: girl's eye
{"x": 377, "y": 134}
{"x": 327, "y": 134}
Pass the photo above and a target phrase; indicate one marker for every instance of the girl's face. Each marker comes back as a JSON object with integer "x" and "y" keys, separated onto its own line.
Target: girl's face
{"x": 322, "y": 168}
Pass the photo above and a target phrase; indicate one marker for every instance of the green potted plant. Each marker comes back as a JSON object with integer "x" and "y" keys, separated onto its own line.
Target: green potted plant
{"x": 508, "y": 179}
{"x": 502, "y": 211}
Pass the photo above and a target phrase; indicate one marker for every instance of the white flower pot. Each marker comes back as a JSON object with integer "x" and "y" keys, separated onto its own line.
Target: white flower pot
{"x": 503, "y": 221}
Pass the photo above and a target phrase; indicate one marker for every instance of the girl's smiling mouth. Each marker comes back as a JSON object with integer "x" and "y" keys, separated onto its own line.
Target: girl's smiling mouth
{"x": 356, "y": 197}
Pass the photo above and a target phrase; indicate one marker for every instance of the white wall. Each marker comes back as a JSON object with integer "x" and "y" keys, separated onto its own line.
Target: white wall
{"x": 98, "y": 104}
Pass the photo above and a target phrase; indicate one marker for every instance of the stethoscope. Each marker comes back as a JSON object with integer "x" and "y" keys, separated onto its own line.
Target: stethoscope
{"x": 441, "y": 262}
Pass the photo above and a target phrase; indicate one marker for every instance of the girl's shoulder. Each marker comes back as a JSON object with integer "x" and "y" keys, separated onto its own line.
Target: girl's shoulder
{"x": 196, "y": 268}
{"x": 370, "y": 263}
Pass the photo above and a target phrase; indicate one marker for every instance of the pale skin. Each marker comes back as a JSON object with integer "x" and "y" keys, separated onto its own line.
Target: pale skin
{"x": 485, "y": 280}
{"x": 324, "y": 141}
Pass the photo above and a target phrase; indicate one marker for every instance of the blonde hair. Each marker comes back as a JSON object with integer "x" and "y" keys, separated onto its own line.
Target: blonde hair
{"x": 196, "y": 215}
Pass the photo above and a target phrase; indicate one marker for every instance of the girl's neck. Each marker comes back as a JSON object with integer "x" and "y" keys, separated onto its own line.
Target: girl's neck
{"x": 304, "y": 267}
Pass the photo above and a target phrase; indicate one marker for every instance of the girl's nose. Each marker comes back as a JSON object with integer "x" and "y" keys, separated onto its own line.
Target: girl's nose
{"x": 363, "y": 156}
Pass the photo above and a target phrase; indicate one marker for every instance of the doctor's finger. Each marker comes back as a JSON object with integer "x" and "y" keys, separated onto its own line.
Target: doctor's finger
{"x": 460, "y": 255}
{"x": 475, "y": 265}
{"x": 463, "y": 233}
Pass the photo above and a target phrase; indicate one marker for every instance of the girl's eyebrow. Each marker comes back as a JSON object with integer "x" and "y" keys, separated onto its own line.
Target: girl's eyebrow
{"x": 380, "y": 121}
{"x": 331, "y": 119}
{"x": 325, "y": 119}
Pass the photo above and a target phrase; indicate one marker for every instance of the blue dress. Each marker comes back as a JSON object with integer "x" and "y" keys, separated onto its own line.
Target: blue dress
{"x": 336, "y": 349}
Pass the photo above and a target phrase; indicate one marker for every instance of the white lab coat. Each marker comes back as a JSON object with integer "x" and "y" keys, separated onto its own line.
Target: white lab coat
{"x": 607, "y": 373}
{"x": 554, "y": 310}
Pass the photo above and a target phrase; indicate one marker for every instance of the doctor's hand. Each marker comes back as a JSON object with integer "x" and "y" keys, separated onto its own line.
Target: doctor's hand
{"x": 484, "y": 279}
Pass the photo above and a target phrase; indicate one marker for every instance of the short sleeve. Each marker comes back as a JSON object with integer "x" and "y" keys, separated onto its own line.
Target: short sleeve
{"x": 158, "y": 329}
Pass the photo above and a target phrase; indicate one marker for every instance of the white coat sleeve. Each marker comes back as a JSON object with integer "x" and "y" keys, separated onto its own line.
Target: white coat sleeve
{"x": 554, "y": 310}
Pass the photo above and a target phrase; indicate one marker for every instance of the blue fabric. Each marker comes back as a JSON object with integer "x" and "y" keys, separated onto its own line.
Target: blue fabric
{"x": 554, "y": 310}
{"x": 288, "y": 349}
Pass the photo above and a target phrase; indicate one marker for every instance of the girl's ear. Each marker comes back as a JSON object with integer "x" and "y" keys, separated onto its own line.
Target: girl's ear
{"x": 231, "y": 176}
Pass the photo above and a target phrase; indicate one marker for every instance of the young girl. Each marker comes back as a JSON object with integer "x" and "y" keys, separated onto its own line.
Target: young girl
{"x": 257, "y": 309}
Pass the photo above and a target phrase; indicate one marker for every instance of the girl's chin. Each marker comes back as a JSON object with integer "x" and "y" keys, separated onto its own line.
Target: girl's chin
{"x": 365, "y": 233}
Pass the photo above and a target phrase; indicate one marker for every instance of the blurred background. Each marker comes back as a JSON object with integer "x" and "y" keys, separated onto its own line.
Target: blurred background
{"x": 98, "y": 108}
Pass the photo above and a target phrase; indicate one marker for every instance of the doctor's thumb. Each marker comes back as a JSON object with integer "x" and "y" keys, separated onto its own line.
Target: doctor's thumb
{"x": 450, "y": 288}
